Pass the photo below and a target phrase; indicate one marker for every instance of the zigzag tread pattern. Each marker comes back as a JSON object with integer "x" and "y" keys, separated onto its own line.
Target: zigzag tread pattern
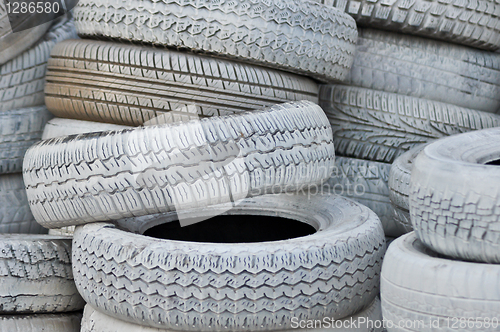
{"x": 275, "y": 33}
{"x": 376, "y": 125}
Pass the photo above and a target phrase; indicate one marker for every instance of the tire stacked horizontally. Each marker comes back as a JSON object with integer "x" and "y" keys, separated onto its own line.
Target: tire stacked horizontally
{"x": 408, "y": 86}
{"x": 444, "y": 273}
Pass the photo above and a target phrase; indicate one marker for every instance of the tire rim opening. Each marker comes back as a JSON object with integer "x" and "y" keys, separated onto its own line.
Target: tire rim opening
{"x": 495, "y": 162}
{"x": 233, "y": 229}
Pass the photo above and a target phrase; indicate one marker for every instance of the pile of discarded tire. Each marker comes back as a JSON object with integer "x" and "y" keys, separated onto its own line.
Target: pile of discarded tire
{"x": 444, "y": 275}
{"x": 423, "y": 69}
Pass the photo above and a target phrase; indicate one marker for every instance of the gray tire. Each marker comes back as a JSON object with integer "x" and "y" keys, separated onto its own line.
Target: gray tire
{"x": 173, "y": 167}
{"x": 66, "y": 322}
{"x": 365, "y": 182}
{"x": 104, "y": 82}
{"x": 36, "y": 275}
{"x": 380, "y": 126}
{"x": 454, "y": 196}
{"x": 94, "y": 321}
{"x": 19, "y": 130}
{"x": 429, "y": 69}
{"x": 58, "y": 127}
{"x": 419, "y": 287}
{"x": 15, "y": 213}
{"x": 302, "y": 37}
{"x": 471, "y": 23}
{"x": 22, "y": 79}
{"x": 192, "y": 286}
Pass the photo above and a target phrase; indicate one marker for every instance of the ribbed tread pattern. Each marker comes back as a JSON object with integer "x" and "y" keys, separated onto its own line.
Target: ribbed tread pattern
{"x": 36, "y": 275}
{"x": 114, "y": 175}
{"x": 305, "y": 38}
{"x": 429, "y": 69}
{"x": 380, "y": 126}
{"x": 65, "y": 322}
{"x": 241, "y": 287}
{"x": 474, "y": 23}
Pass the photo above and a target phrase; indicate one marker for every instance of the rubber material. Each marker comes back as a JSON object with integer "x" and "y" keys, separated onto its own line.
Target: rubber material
{"x": 94, "y": 321}
{"x": 306, "y": 38}
{"x": 66, "y": 322}
{"x": 429, "y": 69}
{"x": 471, "y": 23}
{"x": 22, "y": 79}
{"x": 15, "y": 213}
{"x": 58, "y": 127}
{"x": 172, "y": 167}
{"x": 19, "y": 130}
{"x": 129, "y": 85}
{"x": 454, "y": 197}
{"x": 36, "y": 275}
{"x": 256, "y": 286}
{"x": 421, "y": 288}
{"x": 380, "y": 126}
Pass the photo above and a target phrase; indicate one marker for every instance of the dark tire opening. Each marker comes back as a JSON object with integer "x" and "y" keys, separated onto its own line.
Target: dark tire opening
{"x": 233, "y": 229}
{"x": 494, "y": 162}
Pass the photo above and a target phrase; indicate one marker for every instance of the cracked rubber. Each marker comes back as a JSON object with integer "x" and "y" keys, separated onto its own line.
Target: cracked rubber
{"x": 429, "y": 69}
{"x": 36, "y": 275}
{"x": 306, "y": 38}
{"x": 365, "y": 182}
{"x": 130, "y": 85}
{"x": 15, "y": 213}
{"x": 454, "y": 196}
{"x": 65, "y": 322}
{"x": 94, "y": 321}
{"x": 418, "y": 285}
{"x": 380, "y": 126}
{"x": 113, "y": 175}
{"x": 19, "y": 130}
{"x": 256, "y": 286}
{"x": 22, "y": 79}
{"x": 472, "y": 23}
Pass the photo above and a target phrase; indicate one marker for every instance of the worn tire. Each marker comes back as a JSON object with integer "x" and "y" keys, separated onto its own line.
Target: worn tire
{"x": 429, "y": 69}
{"x": 183, "y": 165}
{"x": 22, "y": 79}
{"x": 58, "y": 127}
{"x": 94, "y": 321}
{"x": 36, "y": 275}
{"x": 471, "y": 23}
{"x": 236, "y": 287}
{"x": 19, "y": 130}
{"x": 65, "y": 322}
{"x": 455, "y": 198}
{"x": 365, "y": 182}
{"x": 106, "y": 82}
{"x": 15, "y": 213}
{"x": 380, "y": 126}
{"x": 292, "y": 35}
{"x": 419, "y": 286}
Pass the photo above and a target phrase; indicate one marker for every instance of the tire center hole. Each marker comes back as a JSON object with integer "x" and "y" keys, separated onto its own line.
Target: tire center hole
{"x": 233, "y": 229}
{"x": 494, "y": 162}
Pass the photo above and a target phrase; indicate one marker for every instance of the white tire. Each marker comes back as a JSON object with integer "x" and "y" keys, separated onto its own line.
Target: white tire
{"x": 65, "y": 322}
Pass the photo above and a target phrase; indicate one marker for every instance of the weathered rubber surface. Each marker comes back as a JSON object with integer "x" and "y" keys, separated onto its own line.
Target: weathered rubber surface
{"x": 15, "y": 213}
{"x": 306, "y": 38}
{"x": 113, "y": 175}
{"x": 472, "y": 23}
{"x": 418, "y": 285}
{"x": 36, "y": 275}
{"x": 22, "y": 79}
{"x": 257, "y": 286}
{"x": 19, "y": 130}
{"x": 454, "y": 196}
{"x": 129, "y": 84}
{"x": 58, "y": 127}
{"x": 380, "y": 126}
{"x": 429, "y": 69}
{"x": 365, "y": 182}
{"x": 65, "y": 322}
{"x": 94, "y": 321}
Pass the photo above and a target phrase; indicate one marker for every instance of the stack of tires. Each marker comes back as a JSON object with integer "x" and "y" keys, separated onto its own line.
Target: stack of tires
{"x": 423, "y": 69}
{"x": 37, "y": 290}
{"x": 186, "y": 171}
{"x": 444, "y": 275}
